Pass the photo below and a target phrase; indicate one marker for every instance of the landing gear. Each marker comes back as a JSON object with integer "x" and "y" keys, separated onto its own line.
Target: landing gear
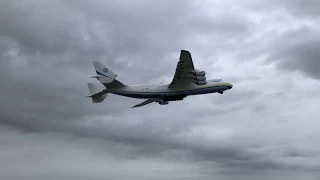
{"x": 163, "y": 102}
{"x": 221, "y": 92}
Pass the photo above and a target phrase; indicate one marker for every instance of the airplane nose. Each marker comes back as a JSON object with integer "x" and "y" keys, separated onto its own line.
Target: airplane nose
{"x": 230, "y": 86}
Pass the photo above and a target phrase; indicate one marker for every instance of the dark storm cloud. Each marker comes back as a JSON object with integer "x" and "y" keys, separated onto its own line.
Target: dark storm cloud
{"x": 46, "y": 51}
{"x": 299, "y": 50}
{"x": 37, "y": 27}
{"x": 48, "y": 48}
{"x": 139, "y": 32}
{"x": 296, "y": 47}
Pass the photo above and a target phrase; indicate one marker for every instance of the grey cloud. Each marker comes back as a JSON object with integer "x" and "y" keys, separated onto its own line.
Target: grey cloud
{"x": 301, "y": 8}
{"x": 50, "y": 61}
{"x": 113, "y": 34}
{"x": 296, "y": 152}
{"x": 46, "y": 51}
{"x": 298, "y": 50}
{"x": 35, "y": 26}
{"x": 297, "y": 47}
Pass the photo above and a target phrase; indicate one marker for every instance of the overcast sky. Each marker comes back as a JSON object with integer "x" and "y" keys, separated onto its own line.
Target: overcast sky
{"x": 266, "y": 127}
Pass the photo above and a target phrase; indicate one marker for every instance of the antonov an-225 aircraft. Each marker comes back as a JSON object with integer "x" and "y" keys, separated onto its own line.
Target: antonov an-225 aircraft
{"x": 186, "y": 81}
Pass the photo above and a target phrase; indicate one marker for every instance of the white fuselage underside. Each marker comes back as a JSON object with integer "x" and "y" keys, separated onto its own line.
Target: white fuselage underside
{"x": 161, "y": 91}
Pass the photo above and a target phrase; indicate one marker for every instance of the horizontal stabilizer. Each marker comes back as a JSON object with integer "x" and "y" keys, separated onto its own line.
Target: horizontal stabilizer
{"x": 97, "y": 76}
{"x": 93, "y": 89}
{"x": 96, "y": 94}
{"x": 103, "y": 79}
{"x": 98, "y": 99}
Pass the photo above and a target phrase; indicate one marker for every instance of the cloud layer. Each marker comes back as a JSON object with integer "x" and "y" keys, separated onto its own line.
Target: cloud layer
{"x": 265, "y": 127}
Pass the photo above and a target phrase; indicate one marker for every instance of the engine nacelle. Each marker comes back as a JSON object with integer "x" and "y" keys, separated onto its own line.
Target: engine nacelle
{"x": 200, "y": 78}
{"x": 163, "y": 102}
{"x": 198, "y": 73}
{"x": 201, "y": 82}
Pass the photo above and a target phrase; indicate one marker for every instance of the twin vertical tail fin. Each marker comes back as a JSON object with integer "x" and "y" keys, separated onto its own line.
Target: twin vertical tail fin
{"x": 97, "y": 95}
{"x": 107, "y": 78}
{"x": 104, "y": 75}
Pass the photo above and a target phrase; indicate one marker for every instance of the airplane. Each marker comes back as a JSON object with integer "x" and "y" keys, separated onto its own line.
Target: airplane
{"x": 187, "y": 81}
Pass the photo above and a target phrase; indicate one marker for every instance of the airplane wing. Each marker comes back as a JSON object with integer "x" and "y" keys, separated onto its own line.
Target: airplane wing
{"x": 144, "y": 103}
{"x": 186, "y": 73}
{"x": 184, "y": 67}
{"x": 185, "y": 70}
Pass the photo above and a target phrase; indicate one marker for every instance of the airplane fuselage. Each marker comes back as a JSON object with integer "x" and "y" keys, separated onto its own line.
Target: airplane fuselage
{"x": 167, "y": 93}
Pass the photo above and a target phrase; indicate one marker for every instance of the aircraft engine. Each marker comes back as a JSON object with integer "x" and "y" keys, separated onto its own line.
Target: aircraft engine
{"x": 201, "y": 82}
{"x": 198, "y": 73}
{"x": 200, "y": 78}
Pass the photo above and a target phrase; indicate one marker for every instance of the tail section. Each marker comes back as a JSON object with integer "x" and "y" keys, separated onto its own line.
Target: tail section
{"x": 104, "y": 75}
{"x": 114, "y": 85}
{"x": 96, "y": 94}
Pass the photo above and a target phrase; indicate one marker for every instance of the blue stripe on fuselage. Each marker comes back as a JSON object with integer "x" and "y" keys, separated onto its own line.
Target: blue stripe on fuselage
{"x": 176, "y": 93}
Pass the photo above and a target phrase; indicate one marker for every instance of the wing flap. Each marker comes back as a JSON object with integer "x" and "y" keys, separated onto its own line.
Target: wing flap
{"x": 144, "y": 103}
